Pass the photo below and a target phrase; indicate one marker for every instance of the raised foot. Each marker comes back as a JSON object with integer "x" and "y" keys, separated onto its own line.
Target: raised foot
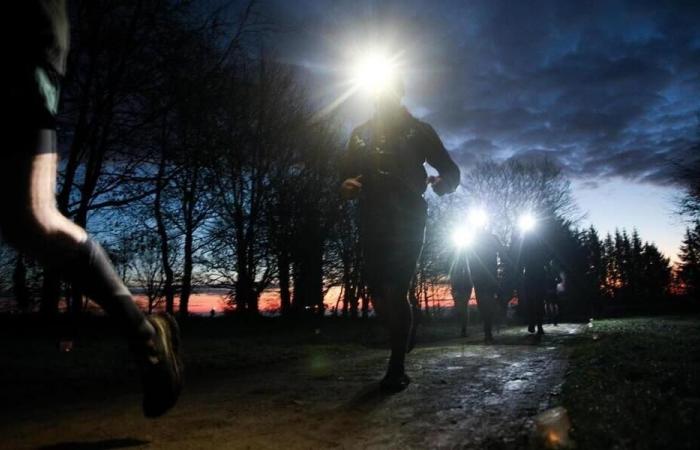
{"x": 161, "y": 367}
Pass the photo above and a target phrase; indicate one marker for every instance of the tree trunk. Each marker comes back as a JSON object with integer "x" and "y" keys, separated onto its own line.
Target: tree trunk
{"x": 347, "y": 289}
{"x": 191, "y": 192}
{"x": 252, "y": 301}
{"x": 241, "y": 291}
{"x": 168, "y": 285}
{"x": 316, "y": 278}
{"x": 186, "y": 276}
{"x": 308, "y": 276}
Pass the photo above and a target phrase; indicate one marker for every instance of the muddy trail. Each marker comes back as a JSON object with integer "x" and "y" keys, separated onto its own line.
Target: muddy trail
{"x": 463, "y": 395}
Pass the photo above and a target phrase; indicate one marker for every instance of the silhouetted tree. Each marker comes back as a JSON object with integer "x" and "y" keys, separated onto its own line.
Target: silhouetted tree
{"x": 507, "y": 190}
{"x": 610, "y": 265}
{"x": 689, "y": 273}
{"x": 689, "y": 174}
{"x": 656, "y": 272}
{"x": 111, "y": 66}
{"x": 10, "y": 263}
{"x": 345, "y": 248}
{"x": 256, "y": 134}
{"x": 595, "y": 271}
{"x": 143, "y": 268}
{"x": 576, "y": 254}
{"x": 317, "y": 210}
{"x": 513, "y": 187}
{"x": 635, "y": 273}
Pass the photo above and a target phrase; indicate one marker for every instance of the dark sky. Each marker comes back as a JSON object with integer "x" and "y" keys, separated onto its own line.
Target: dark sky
{"x": 608, "y": 88}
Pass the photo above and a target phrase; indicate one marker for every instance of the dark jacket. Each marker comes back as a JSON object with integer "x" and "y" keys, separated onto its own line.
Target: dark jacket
{"x": 389, "y": 153}
{"x": 483, "y": 259}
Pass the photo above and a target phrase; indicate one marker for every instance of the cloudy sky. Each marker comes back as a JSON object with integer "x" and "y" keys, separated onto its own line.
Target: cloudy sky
{"x": 610, "y": 89}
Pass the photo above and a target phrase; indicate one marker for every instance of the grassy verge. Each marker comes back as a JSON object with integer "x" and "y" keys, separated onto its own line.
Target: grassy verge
{"x": 635, "y": 383}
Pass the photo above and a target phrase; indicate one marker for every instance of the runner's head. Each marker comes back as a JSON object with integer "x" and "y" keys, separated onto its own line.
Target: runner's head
{"x": 388, "y": 99}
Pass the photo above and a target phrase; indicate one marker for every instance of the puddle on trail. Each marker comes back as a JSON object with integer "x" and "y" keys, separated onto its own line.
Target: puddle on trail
{"x": 513, "y": 385}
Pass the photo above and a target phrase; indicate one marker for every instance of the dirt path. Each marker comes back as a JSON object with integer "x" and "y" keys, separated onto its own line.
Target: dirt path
{"x": 463, "y": 395}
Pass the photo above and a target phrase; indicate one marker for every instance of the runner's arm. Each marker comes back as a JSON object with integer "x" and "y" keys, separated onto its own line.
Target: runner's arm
{"x": 438, "y": 157}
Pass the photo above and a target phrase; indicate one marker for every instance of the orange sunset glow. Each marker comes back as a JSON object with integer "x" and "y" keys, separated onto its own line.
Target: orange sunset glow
{"x": 202, "y": 303}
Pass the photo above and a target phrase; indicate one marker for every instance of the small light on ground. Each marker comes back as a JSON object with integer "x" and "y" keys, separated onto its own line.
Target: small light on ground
{"x": 65, "y": 345}
{"x": 552, "y": 427}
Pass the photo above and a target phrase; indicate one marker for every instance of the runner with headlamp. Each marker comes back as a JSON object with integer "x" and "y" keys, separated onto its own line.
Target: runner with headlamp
{"x": 384, "y": 169}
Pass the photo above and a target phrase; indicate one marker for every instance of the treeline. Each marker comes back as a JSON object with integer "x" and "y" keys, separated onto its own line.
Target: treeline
{"x": 627, "y": 270}
{"x": 199, "y": 161}
{"x": 617, "y": 270}
{"x": 688, "y": 275}
{"x": 193, "y": 156}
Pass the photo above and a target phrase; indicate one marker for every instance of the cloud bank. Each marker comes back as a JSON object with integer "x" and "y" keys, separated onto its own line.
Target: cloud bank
{"x": 606, "y": 88}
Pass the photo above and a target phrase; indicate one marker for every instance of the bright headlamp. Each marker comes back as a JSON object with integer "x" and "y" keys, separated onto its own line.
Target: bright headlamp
{"x": 462, "y": 237}
{"x": 527, "y": 222}
{"x": 478, "y": 217}
{"x": 375, "y": 72}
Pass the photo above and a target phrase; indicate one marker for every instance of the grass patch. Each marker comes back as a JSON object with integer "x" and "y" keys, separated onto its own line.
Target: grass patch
{"x": 634, "y": 383}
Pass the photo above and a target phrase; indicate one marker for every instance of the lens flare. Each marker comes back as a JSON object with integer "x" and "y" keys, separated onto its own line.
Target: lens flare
{"x": 372, "y": 72}
{"x": 527, "y": 222}
{"x": 478, "y": 217}
{"x": 462, "y": 237}
{"x": 375, "y": 72}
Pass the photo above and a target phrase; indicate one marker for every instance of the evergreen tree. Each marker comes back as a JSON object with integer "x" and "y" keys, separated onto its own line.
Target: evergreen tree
{"x": 689, "y": 272}
{"x": 610, "y": 267}
{"x": 635, "y": 265}
{"x": 624, "y": 259}
{"x": 595, "y": 267}
{"x": 656, "y": 273}
{"x": 630, "y": 272}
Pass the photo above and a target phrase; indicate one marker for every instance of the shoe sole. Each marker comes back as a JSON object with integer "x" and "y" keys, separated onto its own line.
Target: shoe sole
{"x": 176, "y": 347}
{"x": 168, "y": 332}
{"x": 171, "y": 338}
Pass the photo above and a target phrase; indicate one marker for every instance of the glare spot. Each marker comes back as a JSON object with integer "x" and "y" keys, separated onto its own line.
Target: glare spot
{"x": 374, "y": 71}
{"x": 462, "y": 237}
{"x": 478, "y": 217}
{"x": 526, "y": 222}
